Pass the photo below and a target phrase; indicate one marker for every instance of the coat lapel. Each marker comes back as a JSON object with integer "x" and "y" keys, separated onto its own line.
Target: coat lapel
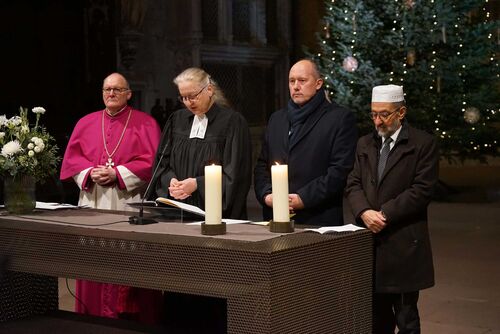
{"x": 282, "y": 133}
{"x": 371, "y": 152}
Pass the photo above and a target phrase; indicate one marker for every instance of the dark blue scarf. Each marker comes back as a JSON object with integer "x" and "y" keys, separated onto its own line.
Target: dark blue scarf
{"x": 297, "y": 115}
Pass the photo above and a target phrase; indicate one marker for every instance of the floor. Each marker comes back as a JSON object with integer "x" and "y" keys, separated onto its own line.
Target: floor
{"x": 466, "y": 246}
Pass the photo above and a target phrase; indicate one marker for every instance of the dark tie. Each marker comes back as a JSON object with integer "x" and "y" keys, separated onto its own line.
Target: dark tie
{"x": 383, "y": 157}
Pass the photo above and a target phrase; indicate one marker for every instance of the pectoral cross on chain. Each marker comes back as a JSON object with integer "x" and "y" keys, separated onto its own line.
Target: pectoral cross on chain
{"x": 110, "y": 163}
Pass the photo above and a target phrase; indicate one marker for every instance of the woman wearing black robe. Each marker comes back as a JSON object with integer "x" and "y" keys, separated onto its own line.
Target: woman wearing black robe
{"x": 219, "y": 135}
{"x": 207, "y": 131}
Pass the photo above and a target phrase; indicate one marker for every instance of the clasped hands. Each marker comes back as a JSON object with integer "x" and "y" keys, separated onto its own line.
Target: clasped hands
{"x": 294, "y": 202}
{"x": 374, "y": 220}
{"x": 103, "y": 175}
{"x": 182, "y": 189}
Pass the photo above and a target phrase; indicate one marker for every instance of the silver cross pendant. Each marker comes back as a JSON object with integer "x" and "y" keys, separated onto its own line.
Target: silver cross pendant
{"x": 110, "y": 163}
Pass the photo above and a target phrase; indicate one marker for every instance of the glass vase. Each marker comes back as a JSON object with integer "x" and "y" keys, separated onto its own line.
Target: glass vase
{"x": 19, "y": 194}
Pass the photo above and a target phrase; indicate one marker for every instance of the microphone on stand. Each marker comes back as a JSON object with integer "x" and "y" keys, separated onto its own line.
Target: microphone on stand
{"x": 140, "y": 219}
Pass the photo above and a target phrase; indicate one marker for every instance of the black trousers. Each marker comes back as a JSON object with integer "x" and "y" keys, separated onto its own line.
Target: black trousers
{"x": 396, "y": 309}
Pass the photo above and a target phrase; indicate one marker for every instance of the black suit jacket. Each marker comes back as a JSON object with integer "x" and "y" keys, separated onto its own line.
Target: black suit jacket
{"x": 318, "y": 162}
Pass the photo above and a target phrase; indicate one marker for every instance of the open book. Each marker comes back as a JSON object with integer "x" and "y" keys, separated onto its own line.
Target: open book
{"x": 333, "y": 229}
{"x": 180, "y": 205}
{"x": 196, "y": 210}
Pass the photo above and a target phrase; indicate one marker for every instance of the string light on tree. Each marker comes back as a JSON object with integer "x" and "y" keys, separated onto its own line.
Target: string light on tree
{"x": 437, "y": 51}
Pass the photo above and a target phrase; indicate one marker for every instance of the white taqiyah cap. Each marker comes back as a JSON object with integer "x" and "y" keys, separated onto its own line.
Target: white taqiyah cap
{"x": 388, "y": 93}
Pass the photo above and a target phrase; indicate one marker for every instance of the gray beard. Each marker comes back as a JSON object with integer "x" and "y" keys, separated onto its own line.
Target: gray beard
{"x": 389, "y": 131}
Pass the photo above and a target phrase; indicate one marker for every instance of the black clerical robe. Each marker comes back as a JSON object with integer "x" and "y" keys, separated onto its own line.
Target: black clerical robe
{"x": 226, "y": 142}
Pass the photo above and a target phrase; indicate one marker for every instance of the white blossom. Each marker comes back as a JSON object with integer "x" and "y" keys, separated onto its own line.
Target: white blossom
{"x": 16, "y": 120}
{"x": 38, "y": 110}
{"x": 22, "y": 146}
{"x": 11, "y": 148}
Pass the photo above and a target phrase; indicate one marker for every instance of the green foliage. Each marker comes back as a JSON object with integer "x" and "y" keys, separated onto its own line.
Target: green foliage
{"x": 26, "y": 150}
{"x": 443, "y": 52}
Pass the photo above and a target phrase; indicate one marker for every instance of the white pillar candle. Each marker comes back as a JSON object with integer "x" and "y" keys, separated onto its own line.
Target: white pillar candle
{"x": 279, "y": 177}
{"x": 213, "y": 194}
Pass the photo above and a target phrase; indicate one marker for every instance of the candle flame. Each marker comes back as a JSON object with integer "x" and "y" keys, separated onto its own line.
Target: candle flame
{"x": 277, "y": 163}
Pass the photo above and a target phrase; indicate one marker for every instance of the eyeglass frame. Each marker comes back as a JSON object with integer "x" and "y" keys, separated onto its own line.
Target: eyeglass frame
{"x": 117, "y": 90}
{"x": 191, "y": 98}
{"x": 384, "y": 115}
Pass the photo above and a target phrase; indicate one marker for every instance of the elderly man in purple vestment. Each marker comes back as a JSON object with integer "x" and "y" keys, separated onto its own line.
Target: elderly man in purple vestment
{"x": 110, "y": 156}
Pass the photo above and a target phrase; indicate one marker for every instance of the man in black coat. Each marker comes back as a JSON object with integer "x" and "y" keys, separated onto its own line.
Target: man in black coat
{"x": 316, "y": 138}
{"x": 389, "y": 189}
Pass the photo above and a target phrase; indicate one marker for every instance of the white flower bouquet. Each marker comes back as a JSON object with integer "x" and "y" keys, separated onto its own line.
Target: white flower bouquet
{"x": 26, "y": 150}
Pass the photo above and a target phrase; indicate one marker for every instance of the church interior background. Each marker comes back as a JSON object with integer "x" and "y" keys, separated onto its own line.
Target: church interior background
{"x": 55, "y": 53}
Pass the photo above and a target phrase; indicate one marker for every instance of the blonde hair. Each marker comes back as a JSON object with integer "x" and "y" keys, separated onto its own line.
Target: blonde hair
{"x": 202, "y": 78}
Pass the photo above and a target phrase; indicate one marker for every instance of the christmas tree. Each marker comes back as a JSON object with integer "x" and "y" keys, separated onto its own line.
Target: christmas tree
{"x": 443, "y": 52}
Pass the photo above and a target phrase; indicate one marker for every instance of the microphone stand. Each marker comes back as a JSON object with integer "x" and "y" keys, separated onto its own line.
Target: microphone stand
{"x": 141, "y": 220}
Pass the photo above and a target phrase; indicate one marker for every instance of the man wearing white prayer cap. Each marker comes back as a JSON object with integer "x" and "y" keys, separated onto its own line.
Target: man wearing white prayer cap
{"x": 389, "y": 189}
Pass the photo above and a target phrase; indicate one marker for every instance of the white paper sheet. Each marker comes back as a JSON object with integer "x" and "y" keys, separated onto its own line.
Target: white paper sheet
{"x": 56, "y": 206}
{"x": 330, "y": 229}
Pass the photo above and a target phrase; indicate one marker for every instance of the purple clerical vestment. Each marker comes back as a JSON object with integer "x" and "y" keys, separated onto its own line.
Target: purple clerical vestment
{"x": 132, "y": 138}
{"x": 135, "y": 152}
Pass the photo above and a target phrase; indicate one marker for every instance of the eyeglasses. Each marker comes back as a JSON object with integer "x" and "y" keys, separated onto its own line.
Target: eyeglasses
{"x": 108, "y": 90}
{"x": 191, "y": 98}
{"x": 384, "y": 115}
